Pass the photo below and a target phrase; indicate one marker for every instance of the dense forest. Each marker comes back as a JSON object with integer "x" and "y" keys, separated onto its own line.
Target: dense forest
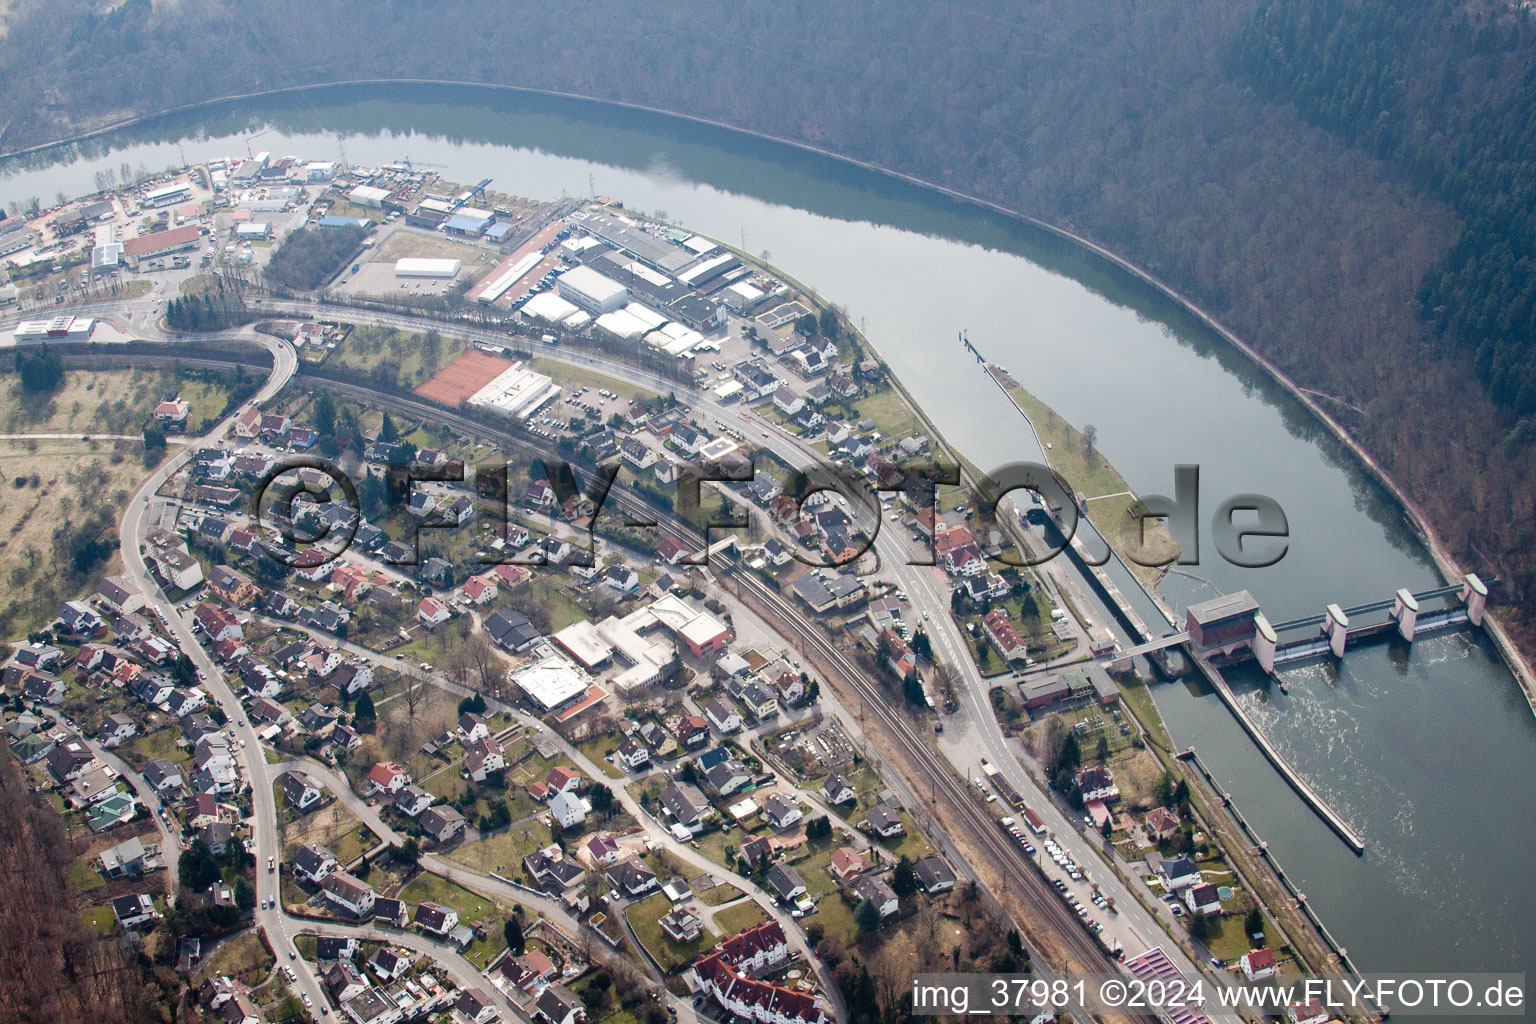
{"x": 1447, "y": 99}
{"x": 1341, "y": 183}
{"x": 308, "y": 258}
{"x": 55, "y": 970}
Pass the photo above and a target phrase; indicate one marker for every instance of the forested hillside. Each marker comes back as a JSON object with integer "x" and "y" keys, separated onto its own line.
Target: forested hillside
{"x": 55, "y": 971}
{"x": 1303, "y": 171}
{"x": 1448, "y": 99}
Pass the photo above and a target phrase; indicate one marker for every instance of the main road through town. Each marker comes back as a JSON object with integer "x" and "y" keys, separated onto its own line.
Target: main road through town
{"x": 924, "y": 586}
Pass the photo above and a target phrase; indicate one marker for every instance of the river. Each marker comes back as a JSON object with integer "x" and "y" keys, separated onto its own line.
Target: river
{"x": 1426, "y": 752}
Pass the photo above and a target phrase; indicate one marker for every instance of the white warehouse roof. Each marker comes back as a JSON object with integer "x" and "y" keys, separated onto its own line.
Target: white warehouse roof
{"x": 416, "y": 266}
{"x": 549, "y": 307}
{"x": 516, "y": 391}
{"x": 551, "y": 681}
{"x": 585, "y": 283}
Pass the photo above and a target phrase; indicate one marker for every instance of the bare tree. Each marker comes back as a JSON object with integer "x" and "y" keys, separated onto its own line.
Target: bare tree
{"x": 413, "y": 689}
{"x": 487, "y": 666}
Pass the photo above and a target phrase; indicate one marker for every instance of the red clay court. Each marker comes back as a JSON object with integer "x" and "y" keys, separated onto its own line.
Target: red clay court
{"x": 464, "y": 376}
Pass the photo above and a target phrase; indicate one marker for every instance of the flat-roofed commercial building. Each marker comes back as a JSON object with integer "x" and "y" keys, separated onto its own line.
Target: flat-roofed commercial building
{"x": 551, "y": 682}
{"x": 504, "y": 277}
{"x": 368, "y": 196}
{"x": 516, "y": 392}
{"x": 162, "y": 243}
{"x": 416, "y": 266}
{"x": 59, "y": 328}
{"x": 591, "y": 290}
{"x": 166, "y": 196}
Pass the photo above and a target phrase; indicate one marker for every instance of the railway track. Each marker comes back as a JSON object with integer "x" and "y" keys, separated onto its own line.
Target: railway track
{"x": 1023, "y": 879}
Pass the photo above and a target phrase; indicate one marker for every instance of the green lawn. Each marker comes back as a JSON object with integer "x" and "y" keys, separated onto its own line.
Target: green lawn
{"x": 911, "y": 843}
{"x": 83, "y": 874}
{"x": 100, "y": 919}
{"x": 736, "y": 919}
{"x": 577, "y": 376}
{"x": 598, "y": 748}
{"x": 1138, "y": 698}
{"x": 472, "y": 908}
{"x": 889, "y": 411}
{"x": 644, "y": 918}
{"x": 503, "y": 852}
{"x": 160, "y": 743}
{"x": 1089, "y": 472}
{"x": 722, "y": 893}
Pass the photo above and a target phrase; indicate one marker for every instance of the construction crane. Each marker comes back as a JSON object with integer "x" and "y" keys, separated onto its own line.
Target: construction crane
{"x": 478, "y": 190}
{"x": 410, "y": 165}
{"x": 252, "y": 138}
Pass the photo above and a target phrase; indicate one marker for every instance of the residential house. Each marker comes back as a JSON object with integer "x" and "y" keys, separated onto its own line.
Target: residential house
{"x": 412, "y": 800}
{"x": 722, "y": 716}
{"x": 785, "y": 883}
{"x": 484, "y": 757}
{"x": 432, "y": 612}
{"x": 1311, "y": 1012}
{"x": 115, "y": 729}
{"x": 692, "y": 730}
{"x": 387, "y": 777}
{"x": 163, "y": 776}
{"x": 727, "y": 777}
{"x": 1202, "y": 899}
{"x": 1178, "y": 873}
{"x": 344, "y": 981}
{"x": 781, "y": 811}
{"x": 1097, "y": 783}
{"x": 847, "y": 863}
{"x": 120, "y": 594}
{"x": 350, "y": 894}
{"x": 569, "y": 809}
{"x": 687, "y": 806}
{"x": 124, "y": 860}
{"x": 557, "y": 1005}
{"x": 602, "y": 849}
{"x": 757, "y": 850}
{"x": 681, "y": 925}
{"x": 631, "y": 755}
{"x": 934, "y": 875}
{"x": 1258, "y": 964}
{"x": 476, "y": 1006}
{"x": 314, "y": 862}
{"x": 70, "y": 760}
{"x": 133, "y": 910}
{"x": 217, "y": 835}
{"x": 631, "y": 877}
{"x": 1161, "y": 823}
{"x": 761, "y": 701}
{"x": 472, "y": 727}
{"x": 393, "y": 913}
{"x": 838, "y": 790}
{"x": 42, "y": 688}
{"x": 300, "y": 790}
{"x": 443, "y": 823}
{"x": 436, "y": 919}
{"x": 878, "y": 892}
{"x": 563, "y": 779}
{"x": 884, "y": 822}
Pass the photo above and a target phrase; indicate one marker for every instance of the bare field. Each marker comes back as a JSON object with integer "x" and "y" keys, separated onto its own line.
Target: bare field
{"x": 404, "y": 242}
{"x": 105, "y": 402}
{"x": 67, "y": 489}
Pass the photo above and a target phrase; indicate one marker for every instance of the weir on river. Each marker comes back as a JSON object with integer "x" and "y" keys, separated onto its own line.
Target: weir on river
{"x": 1394, "y": 736}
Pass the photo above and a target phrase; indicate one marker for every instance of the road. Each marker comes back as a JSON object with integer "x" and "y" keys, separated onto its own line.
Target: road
{"x": 925, "y": 588}
{"x": 280, "y": 927}
{"x": 170, "y": 842}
